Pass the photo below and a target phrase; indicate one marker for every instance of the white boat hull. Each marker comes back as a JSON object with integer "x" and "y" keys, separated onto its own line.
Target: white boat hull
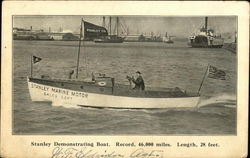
{"x": 65, "y": 97}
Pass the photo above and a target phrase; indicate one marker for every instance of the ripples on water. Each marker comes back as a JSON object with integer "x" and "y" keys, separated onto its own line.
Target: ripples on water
{"x": 162, "y": 65}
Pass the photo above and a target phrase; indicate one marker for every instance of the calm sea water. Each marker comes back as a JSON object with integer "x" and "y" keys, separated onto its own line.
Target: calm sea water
{"x": 162, "y": 65}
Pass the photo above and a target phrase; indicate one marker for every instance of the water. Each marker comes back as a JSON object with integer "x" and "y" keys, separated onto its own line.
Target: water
{"x": 161, "y": 64}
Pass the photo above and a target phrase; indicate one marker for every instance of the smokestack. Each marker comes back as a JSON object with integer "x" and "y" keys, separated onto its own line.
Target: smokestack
{"x": 31, "y": 28}
{"x": 206, "y": 23}
{"x": 49, "y": 29}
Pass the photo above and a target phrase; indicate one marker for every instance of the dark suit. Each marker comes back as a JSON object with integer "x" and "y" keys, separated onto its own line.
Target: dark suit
{"x": 139, "y": 83}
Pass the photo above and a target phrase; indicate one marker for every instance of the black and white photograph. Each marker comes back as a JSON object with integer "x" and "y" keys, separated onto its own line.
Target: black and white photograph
{"x": 124, "y": 79}
{"x": 121, "y": 75}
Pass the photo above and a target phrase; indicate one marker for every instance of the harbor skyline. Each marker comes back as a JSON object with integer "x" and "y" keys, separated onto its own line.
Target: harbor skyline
{"x": 174, "y": 25}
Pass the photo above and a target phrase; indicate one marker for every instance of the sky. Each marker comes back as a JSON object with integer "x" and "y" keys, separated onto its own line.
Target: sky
{"x": 178, "y": 26}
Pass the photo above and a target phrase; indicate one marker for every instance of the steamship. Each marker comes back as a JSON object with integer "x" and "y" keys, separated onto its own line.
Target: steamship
{"x": 206, "y": 38}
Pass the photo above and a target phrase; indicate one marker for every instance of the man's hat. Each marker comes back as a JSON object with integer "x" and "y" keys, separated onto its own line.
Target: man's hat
{"x": 138, "y": 72}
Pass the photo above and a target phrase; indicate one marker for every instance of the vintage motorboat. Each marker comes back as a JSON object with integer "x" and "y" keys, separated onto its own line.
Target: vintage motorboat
{"x": 102, "y": 91}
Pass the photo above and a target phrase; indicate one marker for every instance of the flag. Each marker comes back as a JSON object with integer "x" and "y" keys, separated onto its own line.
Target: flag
{"x": 216, "y": 73}
{"x": 92, "y": 31}
{"x": 36, "y": 59}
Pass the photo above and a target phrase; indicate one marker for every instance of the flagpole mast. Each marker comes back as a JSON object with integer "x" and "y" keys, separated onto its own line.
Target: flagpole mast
{"x": 31, "y": 65}
{"x": 78, "y": 55}
{"x": 203, "y": 80}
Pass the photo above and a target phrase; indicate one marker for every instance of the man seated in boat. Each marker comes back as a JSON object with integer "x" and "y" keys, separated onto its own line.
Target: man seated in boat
{"x": 139, "y": 82}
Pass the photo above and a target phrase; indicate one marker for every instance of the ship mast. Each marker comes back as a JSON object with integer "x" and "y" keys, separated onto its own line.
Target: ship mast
{"x": 110, "y": 25}
{"x": 103, "y": 22}
{"x": 79, "y": 48}
{"x": 117, "y": 25}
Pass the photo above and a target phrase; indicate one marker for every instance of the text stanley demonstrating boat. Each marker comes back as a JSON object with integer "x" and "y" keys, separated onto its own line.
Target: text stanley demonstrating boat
{"x": 115, "y": 38}
{"x": 206, "y": 38}
{"x": 103, "y": 91}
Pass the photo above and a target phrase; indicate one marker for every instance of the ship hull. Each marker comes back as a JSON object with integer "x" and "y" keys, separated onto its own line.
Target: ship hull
{"x": 108, "y": 41}
{"x": 66, "y": 97}
{"x": 202, "y": 41}
{"x": 169, "y": 42}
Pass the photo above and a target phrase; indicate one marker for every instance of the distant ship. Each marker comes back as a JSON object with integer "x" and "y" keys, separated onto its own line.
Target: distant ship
{"x": 206, "y": 38}
{"x": 110, "y": 38}
{"x": 168, "y": 39}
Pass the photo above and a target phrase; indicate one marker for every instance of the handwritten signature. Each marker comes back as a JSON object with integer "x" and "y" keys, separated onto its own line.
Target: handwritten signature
{"x": 60, "y": 152}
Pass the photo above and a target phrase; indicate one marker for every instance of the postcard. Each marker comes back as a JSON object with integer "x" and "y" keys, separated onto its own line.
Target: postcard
{"x": 124, "y": 79}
